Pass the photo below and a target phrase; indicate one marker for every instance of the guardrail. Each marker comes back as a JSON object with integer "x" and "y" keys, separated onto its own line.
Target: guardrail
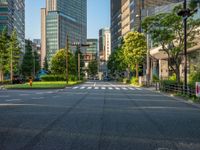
{"x": 178, "y": 89}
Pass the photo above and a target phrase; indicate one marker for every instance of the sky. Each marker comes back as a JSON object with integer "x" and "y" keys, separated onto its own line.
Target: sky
{"x": 98, "y": 17}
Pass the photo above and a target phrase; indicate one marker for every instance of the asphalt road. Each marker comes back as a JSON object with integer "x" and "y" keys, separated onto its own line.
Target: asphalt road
{"x": 97, "y": 116}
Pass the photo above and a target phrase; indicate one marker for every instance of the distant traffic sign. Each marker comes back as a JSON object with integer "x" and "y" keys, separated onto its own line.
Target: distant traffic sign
{"x": 198, "y": 89}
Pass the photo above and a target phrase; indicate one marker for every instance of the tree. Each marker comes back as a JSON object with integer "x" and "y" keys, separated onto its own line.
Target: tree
{"x": 93, "y": 68}
{"x": 28, "y": 60}
{"x": 14, "y": 54}
{"x": 58, "y": 63}
{"x": 134, "y": 49}
{"x": 4, "y": 40}
{"x": 46, "y": 66}
{"x": 37, "y": 64}
{"x": 166, "y": 30}
{"x": 116, "y": 63}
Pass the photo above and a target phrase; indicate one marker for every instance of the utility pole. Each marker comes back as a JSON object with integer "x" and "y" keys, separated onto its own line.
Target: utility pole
{"x": 11, "y": 65}
{"x": 79, "y": 63}
{"x": 185, "y": 44}
{"x": 67, "y": 59}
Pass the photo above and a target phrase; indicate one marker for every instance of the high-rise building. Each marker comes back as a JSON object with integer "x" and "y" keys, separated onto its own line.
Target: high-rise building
{"x": 90, "y": 54}
{"x": 12, "y": 17}
{"x": 59, "y": 19}
{"x": 104, "y": 49}
{"x": 125, "y": 16}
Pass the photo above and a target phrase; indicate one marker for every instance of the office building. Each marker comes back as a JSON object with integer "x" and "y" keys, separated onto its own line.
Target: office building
{"x": 104, "y": 49}
{"x": 90, "y": 54}
{"x": 59, "y": 19}
{"x": 12, "y": 17}
{"x": 125, "y": 16}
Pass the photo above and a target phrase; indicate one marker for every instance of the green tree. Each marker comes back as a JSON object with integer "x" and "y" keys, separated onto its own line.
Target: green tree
{"x": 58, "y": 63}
{"x": 116, "y": 63}
{"x": 14, "y": 52}
{"x": 37, "y": 62}
{"x": 46, "y": 66}
{"x": 28, "y": 60}
{"x": 134, "y": 49}
{"x": 4, "y": 40}
{"x": 93, "y": 68}
{"x": 166, "y": 30}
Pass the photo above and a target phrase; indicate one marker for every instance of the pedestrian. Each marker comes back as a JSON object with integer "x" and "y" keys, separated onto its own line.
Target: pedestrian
{"x": 31, "y": 81}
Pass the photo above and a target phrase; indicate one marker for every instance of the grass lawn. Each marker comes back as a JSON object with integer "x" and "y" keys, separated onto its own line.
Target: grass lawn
{"x": 42, "y": 85}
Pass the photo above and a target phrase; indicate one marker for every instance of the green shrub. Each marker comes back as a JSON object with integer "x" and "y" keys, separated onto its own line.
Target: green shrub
{"x": 53, "y": 78}
{"x": 155, "y": 78}
{"x": 193, "y": 78}
{"x": 5, "y": 82}
{"x": 125, "y": 80}
{"x": 134, "y": 81}
{"x": 173, "y": 77}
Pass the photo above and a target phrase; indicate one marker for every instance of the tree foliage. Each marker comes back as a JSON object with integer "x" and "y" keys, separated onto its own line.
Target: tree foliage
{"x": 166, "y": 30}
{"x": 28, "y": 60}
{"x": 3, "y": 52}
{"x": 93, "y": 68}
{"x": 58, "y": 63}
{"x": 134, "y": 49}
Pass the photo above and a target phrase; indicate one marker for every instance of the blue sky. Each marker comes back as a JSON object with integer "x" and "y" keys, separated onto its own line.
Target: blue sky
{"x": 98, "y": 17}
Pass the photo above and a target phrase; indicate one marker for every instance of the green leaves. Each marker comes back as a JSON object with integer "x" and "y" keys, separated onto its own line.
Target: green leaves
{"x": 93, "y": 68}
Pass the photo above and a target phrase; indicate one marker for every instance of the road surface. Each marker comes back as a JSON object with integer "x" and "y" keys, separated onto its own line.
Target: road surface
{"x": 97, "y": 116}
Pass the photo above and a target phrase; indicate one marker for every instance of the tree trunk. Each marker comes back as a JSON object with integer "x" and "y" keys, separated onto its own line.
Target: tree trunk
{"x": 137, "y": 71}
{"x": 178, "y": 79}
{"x": 128, "y": 76}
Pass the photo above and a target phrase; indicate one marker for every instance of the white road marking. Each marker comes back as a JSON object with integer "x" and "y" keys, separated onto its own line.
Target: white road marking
{"x": 139, "y": 89}
{"x": 124, "y": 88}
{"x": 110, "y": 88}
{"x": 103, "y": 88}
{"x": 4, "y": 96}
{"x": 56, "y": 96}
{"x": 36, "y": 98}
{"x": 132, "y": 88}
{"x": 89, "y": 88}
{"x": 82, "y": 88}
{"x": 96, "y": 88}
{"x": 94, "y": 84}
{"x": 75, "y": 87}
{"x": 117, "y": 88}
{"x": 24, "y": 94}
{"x": 11, "y": 100}
{"x": 40, "y": 93}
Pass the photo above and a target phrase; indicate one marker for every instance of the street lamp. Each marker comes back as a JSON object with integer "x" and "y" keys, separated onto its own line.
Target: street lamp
{"x": 185, "y": 13}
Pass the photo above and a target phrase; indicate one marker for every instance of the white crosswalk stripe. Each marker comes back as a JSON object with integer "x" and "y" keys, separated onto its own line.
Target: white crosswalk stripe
{"x": 106, "y": 88}
{"x": 132, "y": 88}
{"x": 75, "y": 87}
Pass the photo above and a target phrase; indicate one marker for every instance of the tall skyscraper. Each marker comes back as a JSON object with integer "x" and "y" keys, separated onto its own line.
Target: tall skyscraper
{"x": 104, "y": 49}
{"x": 59, "y": 19}
{"x": 12, "y": 17}
{"x": 125, "y": 16}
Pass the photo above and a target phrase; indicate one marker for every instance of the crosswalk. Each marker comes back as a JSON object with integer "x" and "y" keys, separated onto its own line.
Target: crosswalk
{"x": 105, "y": 88}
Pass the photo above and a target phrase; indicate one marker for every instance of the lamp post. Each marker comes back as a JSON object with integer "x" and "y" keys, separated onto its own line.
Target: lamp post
{"x": 185, "y": 13}
{"x": 67, "y": 59}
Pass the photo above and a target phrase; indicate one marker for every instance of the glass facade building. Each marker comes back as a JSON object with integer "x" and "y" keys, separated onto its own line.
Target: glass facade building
{"x": 64, "y": 17}
{"x": 12, "y": 16}
{"x": 124, "y": 16}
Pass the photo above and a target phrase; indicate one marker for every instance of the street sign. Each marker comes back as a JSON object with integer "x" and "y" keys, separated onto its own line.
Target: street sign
{"x": 198, "y": 89}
